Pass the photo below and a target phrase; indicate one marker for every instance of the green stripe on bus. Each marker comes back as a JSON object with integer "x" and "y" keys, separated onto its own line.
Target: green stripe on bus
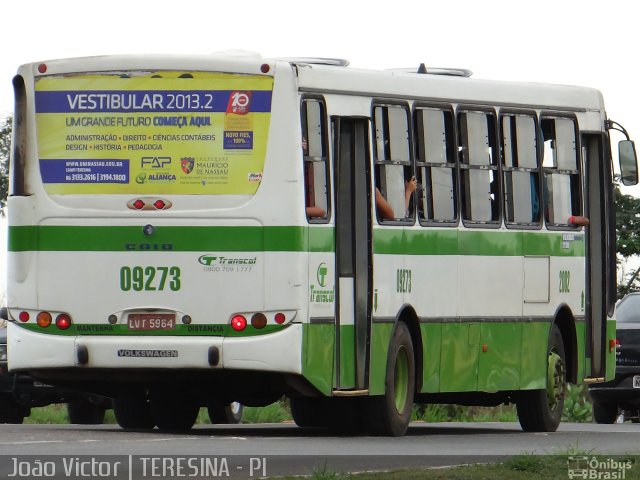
{"x": 181, "y": 239}
{"x": 390, "y": 241}
{"x": 208, "y": 330}
{"x": 481, "y": 243}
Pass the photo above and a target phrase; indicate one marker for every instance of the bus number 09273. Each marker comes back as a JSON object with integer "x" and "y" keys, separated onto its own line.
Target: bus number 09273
{"x": 149, "y": 279}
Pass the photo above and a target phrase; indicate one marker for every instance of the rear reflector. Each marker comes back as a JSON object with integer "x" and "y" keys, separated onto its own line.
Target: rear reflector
{"x": 258, "y": 320}
{"x": 44, "y": 319}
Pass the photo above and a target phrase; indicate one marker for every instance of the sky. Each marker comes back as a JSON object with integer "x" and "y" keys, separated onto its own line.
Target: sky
{"x": 584, "y": 42}
{"x": 575, "y": 42}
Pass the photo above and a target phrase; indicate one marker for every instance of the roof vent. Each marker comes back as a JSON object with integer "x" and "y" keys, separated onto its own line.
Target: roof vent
{"x": 336, "y": 62}
{"x": 422, "y": 69}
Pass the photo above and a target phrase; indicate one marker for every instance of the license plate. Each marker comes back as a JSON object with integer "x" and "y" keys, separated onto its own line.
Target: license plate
{"x": 636, "y": 381}
{"x": 151, "y": 321}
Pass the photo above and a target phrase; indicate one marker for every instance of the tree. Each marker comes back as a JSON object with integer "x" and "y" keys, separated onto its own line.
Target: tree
{"x": 628, "y": 235}
{"x": 6, "y": 127}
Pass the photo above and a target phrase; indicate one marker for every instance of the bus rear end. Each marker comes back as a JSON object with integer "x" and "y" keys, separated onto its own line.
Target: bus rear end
{"x": 148, "y": 233}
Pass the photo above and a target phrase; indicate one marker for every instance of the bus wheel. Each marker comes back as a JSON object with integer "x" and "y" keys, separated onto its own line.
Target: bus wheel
{"x": 225, "y": 414}
{"x": 132, "y": 410}
{"x": 173, "y": 411}
{"x": 85, "y": 412}
{"x": 10, "y": 410}
{"x": 605, "y": 412}
{"x": 389, "y": 414}
{"x": 541, "y": 410}
{"x": 309, "y": 412}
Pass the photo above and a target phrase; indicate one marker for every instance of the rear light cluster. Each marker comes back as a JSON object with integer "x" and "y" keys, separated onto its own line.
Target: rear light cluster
{"x": 147, "y": 203}
{"x": 614, "y": 345}
{"x": 45, "y": 319}
{"x": 258, "y": 320}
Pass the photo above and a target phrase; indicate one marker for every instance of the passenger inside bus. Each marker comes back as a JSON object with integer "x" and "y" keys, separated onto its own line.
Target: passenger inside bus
{"x": 384, "y": 209}
{"x": 313, "y": 211}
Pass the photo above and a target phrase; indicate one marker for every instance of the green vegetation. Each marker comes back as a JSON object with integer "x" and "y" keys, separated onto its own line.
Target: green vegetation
{"x": 56, "y": 414}
{"x": 6, "y": 126}
{"x": 577, "y": 406}
{"x": 577, "y": 409}
{"x": 521, "y": 467}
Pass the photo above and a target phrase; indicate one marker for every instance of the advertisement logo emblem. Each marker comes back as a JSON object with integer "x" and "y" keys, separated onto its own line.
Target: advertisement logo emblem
{"x": 187, "y": 164}
{"x": 239, "y": 103}
{"x": 141, "y": 178}
{"x": 155, "y": 162}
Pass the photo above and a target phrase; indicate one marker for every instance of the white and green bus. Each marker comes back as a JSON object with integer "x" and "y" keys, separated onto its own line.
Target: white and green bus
{"x": 195, "y": 231}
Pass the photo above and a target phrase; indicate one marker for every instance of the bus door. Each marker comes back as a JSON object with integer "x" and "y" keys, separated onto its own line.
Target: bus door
{"x": 353, "y": 251}
{"x": 600, "y": 292}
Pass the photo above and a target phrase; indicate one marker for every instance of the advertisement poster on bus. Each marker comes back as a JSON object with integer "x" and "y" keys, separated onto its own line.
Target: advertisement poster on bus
{"x": 153, "y": 133}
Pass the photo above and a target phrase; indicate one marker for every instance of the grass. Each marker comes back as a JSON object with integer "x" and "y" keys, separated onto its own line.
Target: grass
{"x": 275, "y": 413}
{"x": 521, "y": 467}
{"x": 57, "y": 414}
{"x": 279, "y": 412}
{"x": 577, "y": 409}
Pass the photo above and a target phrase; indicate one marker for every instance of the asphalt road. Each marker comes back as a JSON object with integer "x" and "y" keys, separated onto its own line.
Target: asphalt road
{"x": 252, "y": 451}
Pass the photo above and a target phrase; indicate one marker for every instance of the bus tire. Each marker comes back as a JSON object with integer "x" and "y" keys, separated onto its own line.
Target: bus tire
{"x": 132, "y": 410}
{"x": 541, "y": 410}
{"x": 309, "y": 412}
{"x": 85, "y": 412}
{"x": 605, "y": 413}
{"x": 390, "y": 414}
{"x": 10, "y": 410}
{"x": 230, "y": 413}
{"x": 173, "y": 411}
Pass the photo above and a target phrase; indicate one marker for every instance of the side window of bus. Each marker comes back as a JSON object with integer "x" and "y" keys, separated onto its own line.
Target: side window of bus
{"x": 560, "y": 166}
{"x": 394, "y": 174}
{"x": 314, "y": 151}
{"x": 522, "y": 199}
{"x": 480, "y": 185}
{"x": 435, "y": 165}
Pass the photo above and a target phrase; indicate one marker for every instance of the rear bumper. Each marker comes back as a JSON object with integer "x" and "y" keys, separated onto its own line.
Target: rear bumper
{"x": 620, "y": 390}
{"x": 274, "y": 352}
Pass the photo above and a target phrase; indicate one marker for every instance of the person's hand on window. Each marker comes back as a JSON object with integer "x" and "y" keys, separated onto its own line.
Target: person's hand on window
{"x": 409, "y": 187}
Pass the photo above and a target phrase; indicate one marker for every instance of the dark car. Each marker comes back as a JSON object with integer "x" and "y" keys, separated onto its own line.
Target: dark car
{"x": 19, "y": 392}
{"x": 622, "y": 394}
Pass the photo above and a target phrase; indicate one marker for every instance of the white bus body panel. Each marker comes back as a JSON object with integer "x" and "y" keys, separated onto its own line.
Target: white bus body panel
{"x": 276, "y": 352}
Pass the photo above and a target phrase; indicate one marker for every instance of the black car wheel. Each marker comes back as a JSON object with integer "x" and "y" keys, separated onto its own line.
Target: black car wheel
{"x": 605, "y": 412}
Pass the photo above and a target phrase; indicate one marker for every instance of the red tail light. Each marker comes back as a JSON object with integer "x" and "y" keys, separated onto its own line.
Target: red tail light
{"x": 280, "y": 318}
{"x": 24, "y": 316}
{"x": 238, "y": 323}
{"x": 63, "y": 321}
{"x": 613, "y": 344}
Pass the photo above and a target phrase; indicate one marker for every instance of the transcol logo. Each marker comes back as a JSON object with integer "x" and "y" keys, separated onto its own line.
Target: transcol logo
{"x": 210, "y": 260}
{"x": 321, "y": 274}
